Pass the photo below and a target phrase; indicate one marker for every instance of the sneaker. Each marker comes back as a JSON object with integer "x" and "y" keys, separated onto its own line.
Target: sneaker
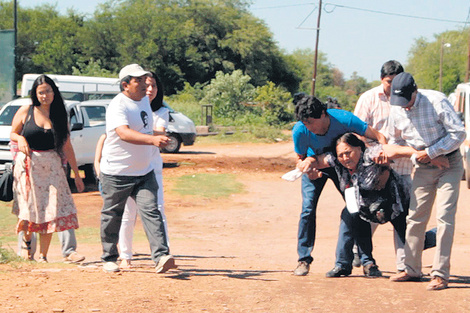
{"x": 74, "y": 257}
{"x": 372, "y": 270}
{"x": 166, "y": 262}
{"x": 110, "y": 267}
{"x": 437, "y": 283}
{"x": 357, "y": 260}
{"x": 337, "y": 272}
{"x": 302, "y": 269}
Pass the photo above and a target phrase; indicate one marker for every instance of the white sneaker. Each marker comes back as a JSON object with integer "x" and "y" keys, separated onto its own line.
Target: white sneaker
{"x": 166, "y": 262}
{"x": 110, "y": 267}
{"x": 74, "y": 257}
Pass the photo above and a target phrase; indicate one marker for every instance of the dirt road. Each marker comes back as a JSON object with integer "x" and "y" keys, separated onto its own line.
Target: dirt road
{"x": 236, "y": 254}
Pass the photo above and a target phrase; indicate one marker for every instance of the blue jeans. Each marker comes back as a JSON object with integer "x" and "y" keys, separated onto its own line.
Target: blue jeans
{"x": 143, "y": 189}
{"x": 311, "y": 190}
{"x": 353, "y": 229}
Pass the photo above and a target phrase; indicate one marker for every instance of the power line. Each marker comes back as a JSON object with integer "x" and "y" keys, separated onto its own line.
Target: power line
{"x": 334, "y": 5}
{"x": 388, "y": 13}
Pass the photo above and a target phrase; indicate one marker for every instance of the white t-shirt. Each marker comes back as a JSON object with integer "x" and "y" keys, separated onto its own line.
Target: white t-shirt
{"x": 120, "y": 157}
{"x": 161, "y": 118}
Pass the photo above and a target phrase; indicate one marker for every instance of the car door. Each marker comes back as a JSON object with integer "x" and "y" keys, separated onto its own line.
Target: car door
{"x": 84, "y": 140}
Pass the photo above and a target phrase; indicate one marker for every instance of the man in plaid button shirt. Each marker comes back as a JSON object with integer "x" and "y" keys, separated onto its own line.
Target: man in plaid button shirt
{"x": 426, "y": 121}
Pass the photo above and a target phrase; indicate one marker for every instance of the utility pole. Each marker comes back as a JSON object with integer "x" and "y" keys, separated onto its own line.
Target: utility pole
{"x": 316, "y": 50}
{"x": 15, "y": 21}
{"x": 440, "y": 64}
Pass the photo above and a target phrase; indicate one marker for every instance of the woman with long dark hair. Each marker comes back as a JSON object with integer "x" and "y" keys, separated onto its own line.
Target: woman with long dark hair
{"x": 42, "y": 198}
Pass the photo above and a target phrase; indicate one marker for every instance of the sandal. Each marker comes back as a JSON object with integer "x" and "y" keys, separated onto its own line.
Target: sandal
{"x": 27, "y": 247}
{"x": 125, "y": 264}
{"x": 42, "y": 259}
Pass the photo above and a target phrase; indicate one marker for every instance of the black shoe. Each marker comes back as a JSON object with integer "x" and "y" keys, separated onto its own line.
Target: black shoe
{"x": 372, "y": 270}
{"x": 337, "y": 272}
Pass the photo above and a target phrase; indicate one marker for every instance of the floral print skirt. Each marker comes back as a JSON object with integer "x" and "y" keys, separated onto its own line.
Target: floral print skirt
{"x": 42, "y": 197}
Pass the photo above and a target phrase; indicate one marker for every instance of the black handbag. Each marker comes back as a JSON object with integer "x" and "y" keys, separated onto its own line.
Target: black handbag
{"x": 6, "y": 185}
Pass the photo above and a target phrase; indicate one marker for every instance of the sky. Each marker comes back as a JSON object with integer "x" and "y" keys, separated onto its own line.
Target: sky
{"x": 356, "y": 35}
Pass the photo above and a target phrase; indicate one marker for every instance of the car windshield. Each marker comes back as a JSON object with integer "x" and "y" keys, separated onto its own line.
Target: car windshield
{"x": 7, "y": 115}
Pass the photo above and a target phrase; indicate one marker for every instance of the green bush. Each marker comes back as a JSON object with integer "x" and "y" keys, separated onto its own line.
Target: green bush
{"x": 228, "y": 93}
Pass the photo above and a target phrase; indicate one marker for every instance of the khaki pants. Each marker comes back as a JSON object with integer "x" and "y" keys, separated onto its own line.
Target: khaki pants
{"x": 429, "y": 184}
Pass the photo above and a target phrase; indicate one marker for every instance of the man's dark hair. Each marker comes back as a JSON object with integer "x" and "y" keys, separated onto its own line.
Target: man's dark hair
{"x": 126, "y": 79}
{"x": 391, "y": 67}
{"x": 308, "y": 106}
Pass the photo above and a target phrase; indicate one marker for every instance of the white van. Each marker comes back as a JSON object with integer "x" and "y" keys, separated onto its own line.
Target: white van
{"x": 461, "y": 102}
{"x": 77, "y": 88}
{"x": 181, "y": 129}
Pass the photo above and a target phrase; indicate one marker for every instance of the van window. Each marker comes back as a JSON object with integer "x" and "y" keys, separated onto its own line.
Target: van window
{"x": 74, "y": 96}
{"x": 96, "y": 114}
{"x": 7, "y": 115}
{"x": 73, "y": 117}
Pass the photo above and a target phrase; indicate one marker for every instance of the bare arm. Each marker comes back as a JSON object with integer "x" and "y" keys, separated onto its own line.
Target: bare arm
{"x": 137, "y": 138}
{"x": 374, "y": 134}
{"x": 17, "y": 127}
{"x": 312, "y": 165}
{"x": 98, "y": 151}
{"x": 395, "y": 152}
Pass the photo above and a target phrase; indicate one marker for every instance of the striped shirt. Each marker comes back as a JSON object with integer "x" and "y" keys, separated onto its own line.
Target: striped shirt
{"x": 373, "y": 107}
{"x": 430, "y": 124}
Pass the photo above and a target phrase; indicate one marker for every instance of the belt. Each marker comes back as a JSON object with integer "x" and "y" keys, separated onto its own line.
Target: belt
{"x": 453, "y": 152}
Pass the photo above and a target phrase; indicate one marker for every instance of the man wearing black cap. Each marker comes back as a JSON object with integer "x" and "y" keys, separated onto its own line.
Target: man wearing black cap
{"x": 426, "y": 121}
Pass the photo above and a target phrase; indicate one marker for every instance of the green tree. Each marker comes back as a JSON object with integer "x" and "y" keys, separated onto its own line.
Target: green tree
{"x": 188, "y": 41}
{"x": 424, "y": 60}
{"x": 229, "y": 93}
{"x": 276, "y": 103}
{"x": 92, "y": 68}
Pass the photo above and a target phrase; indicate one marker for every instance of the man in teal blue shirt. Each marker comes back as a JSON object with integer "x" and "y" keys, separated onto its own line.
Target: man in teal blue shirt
{"x": 314, "y": 134}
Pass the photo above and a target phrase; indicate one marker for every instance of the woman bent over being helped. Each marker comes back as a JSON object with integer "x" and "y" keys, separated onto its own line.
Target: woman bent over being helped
{"x": 42, "y": 198}
{"x": 378, "y": 193}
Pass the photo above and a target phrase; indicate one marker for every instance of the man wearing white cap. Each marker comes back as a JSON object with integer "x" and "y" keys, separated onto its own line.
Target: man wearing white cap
{"x": 426, "y": 121}
{"x": 126, "y": 169}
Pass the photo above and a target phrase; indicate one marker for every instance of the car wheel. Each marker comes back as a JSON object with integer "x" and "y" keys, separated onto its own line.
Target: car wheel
{"x": 174, "y": 144}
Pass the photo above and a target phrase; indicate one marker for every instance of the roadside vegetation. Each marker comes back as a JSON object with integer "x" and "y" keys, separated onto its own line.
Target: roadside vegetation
{"x": 208, "y": 52}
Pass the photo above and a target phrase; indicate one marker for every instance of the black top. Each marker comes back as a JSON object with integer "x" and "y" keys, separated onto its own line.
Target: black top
{"x": 37, "y": 137}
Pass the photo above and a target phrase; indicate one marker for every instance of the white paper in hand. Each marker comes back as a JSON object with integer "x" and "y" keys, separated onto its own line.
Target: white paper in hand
{"x": 351, "y": 201}
{"x": 292, "y": 175}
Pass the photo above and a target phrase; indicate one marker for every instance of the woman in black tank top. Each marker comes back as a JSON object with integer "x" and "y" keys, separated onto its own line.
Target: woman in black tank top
{"x": 42, "y": 198}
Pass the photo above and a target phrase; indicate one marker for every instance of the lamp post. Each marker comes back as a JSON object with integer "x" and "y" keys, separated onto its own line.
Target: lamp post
{"x": 15, "y": 21}
{"x": 447, "y": 45}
